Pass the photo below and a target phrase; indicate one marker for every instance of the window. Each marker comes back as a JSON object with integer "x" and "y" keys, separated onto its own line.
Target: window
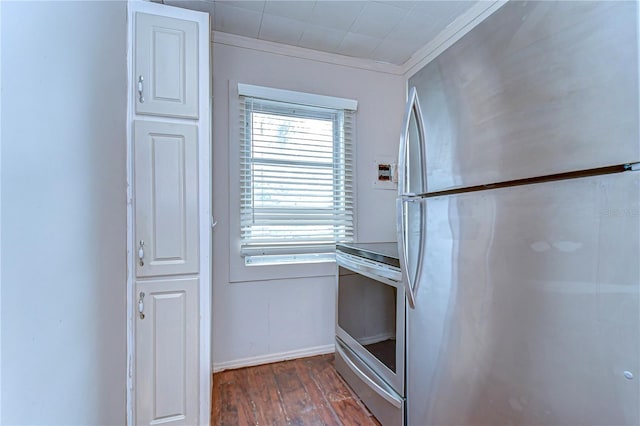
{"x": 296, "y": 178}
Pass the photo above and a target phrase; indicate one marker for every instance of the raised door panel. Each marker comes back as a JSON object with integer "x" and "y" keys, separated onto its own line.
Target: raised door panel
{"x": 166, "y": 66}
{"x": 167, "y": 358}
{"x": 166, "y": 198}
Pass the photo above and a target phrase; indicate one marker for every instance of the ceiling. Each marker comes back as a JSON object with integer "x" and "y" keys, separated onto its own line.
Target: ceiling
{"x": 383, "y": 31}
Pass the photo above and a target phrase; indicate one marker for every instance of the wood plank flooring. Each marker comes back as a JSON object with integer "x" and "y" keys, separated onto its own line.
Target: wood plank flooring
{"x": 301, "y": 392}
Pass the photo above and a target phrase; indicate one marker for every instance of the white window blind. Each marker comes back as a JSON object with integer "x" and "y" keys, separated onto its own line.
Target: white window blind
{"x": 296, "y": 181}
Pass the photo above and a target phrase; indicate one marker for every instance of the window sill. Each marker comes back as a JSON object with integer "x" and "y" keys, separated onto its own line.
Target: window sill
{"x": 239, "y": 272}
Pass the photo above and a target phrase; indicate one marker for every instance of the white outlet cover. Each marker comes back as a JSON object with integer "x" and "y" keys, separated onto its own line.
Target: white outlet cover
{"x": 385, "y": 184}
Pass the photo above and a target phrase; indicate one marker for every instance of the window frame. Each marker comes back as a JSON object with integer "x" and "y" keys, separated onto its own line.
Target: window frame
{"x": 238, "y": 271}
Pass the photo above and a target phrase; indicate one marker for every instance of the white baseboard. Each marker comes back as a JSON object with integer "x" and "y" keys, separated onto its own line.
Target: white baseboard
{"x": 376, "y": 339}
{"x": 269, "y": 358}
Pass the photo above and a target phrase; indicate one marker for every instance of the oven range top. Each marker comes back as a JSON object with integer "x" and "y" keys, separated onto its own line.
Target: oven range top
{"x": 386, "y": 252}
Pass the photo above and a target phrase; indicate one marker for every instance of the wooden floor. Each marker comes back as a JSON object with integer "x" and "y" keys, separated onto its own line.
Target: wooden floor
{"x": 305, "y": 391}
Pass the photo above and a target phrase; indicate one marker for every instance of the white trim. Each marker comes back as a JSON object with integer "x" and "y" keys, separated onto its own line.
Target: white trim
{"x": 129, "y": 415}
{"x": 377, "y": 338}
{"x": 304, "y": 53}
{"x": 0, "y": 214}
{"x": 277, "y": 357}
{"x": 454, "y": 32}
{"x": 204, "y": 200}
{"x": 300, "y": 98}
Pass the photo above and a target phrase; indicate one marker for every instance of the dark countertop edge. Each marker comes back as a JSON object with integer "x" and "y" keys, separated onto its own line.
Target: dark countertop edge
{"x": 371, "y": 251}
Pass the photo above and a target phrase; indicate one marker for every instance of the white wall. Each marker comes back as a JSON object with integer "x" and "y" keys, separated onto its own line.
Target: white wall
{"x": 257, "y": 321}
{"x": 63, "y": 212}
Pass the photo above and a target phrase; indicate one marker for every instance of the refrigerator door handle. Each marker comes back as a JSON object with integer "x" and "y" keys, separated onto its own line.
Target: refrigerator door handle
{"x": 412, "y": 109}
{"x": 402, "y": 156}
{"x": 402, "y": 251}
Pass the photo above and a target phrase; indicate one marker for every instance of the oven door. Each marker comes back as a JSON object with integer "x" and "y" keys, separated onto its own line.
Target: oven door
{"x": 371, "y": 316}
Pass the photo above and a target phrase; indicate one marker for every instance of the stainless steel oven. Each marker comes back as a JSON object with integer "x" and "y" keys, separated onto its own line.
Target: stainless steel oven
{"x": 370, "y": 327}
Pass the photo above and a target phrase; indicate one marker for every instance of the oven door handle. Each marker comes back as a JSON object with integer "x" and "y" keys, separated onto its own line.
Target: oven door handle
{"x": 373, "y": 385}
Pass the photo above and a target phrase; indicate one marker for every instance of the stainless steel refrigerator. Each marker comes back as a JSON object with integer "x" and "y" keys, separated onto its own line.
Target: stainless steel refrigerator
{"x": 519, "y": 221}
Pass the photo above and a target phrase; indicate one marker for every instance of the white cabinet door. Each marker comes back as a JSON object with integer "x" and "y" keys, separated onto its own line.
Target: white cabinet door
{"x": 166, "y": 198}
{"x": 167, "y": 358}
{"x": 166, "y": 66}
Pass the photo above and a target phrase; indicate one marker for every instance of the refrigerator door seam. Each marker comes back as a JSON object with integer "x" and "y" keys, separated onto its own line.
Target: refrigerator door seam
{"x": 600, "y": 171}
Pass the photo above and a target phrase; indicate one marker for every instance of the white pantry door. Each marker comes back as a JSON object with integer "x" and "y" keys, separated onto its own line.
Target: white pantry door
{"x": 167, "y": 264}
{"x": 166, "y": 198}
{"x": 167, "y": 358}
{"x": 166, "y": 66}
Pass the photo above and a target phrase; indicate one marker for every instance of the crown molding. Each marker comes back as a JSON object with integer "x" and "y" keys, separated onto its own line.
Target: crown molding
{"x": 304, "y": 53}
{"x": 454, "y": 32}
